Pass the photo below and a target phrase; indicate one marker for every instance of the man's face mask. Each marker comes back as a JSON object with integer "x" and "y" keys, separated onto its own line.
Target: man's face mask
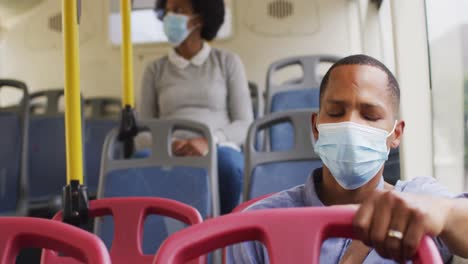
{"x": 176, "y": 28}
{"x": 352, "y": 152}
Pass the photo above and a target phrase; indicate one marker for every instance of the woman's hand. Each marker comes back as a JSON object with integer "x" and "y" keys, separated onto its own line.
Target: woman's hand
{"x": 192, "y": 147}
{"x": 393, "y": 223}
{"x": 177, "y": 146}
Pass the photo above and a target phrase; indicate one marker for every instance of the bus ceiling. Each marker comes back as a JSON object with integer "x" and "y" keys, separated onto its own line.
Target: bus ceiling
{"x": 12, "y": 8}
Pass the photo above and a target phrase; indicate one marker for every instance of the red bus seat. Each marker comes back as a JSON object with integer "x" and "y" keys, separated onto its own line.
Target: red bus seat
{"x": 292, "y": 235}
{"x": 23, "y": 232}
{"x": 241, "y": 207}
{"x": 129, "y": 215}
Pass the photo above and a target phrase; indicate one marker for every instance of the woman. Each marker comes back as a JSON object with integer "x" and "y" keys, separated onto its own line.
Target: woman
{"x": 198, "y": 82}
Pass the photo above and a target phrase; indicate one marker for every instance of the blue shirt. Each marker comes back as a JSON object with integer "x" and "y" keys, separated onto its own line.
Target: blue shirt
{"x": 332, "y": 249}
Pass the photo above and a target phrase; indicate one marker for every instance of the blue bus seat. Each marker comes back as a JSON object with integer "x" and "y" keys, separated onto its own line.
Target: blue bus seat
{"x": 47, "y": 156}
{"x": 102, "y": 108}
{"x": 295, "y": 99}
{"x": 289, "y": 95}
{"x": 96, "y": 131}
{"x": 303, "y": 93}
{"x": 47, "y": 159}
{"x": 101, "y": 117}
{"x": 47, "y": 99}
{"x": 273, "y": 171}
{"x": 256, "y": 99}
{"x": 13, "y": 159}
{"x": 191, "y": 180}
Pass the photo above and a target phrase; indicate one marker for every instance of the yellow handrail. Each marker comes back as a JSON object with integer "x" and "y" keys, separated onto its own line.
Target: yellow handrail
{"x": 72, "y": 92}
{"x": 127, "y": 54}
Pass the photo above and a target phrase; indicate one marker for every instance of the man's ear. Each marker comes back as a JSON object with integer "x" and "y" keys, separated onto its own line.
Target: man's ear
{"x": 313, "y": 121}
{"x": 398, "y": 134}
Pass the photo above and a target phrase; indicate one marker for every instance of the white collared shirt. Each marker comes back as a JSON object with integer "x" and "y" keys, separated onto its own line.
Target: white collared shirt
{"x": 214, "y": 92}
{"x": 197, "y": 60}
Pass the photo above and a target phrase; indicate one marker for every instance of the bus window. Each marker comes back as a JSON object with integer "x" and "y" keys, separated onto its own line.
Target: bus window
{"x": 146, "y": 29}
{"x": 447, "y": 25}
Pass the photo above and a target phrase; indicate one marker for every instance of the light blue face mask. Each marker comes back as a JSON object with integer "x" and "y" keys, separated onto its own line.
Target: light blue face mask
{"x": 176, "y": 29}
{"x": 352, "y": 152}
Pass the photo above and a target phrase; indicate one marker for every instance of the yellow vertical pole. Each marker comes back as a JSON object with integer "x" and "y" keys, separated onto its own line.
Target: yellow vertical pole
{"x": 127, "y": 54}
{"x": 72, "y": 92}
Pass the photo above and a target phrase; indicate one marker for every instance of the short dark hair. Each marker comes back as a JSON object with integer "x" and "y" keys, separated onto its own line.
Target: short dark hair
{"x": 211, "y": 11}
{"x": 361, "y": 59}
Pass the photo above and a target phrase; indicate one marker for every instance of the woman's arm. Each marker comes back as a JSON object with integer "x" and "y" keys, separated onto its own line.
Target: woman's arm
{"x": 149, "y": 107}
{"x": 238, "y": 102}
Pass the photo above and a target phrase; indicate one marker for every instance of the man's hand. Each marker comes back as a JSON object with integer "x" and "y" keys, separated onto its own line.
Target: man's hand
{"x": 393, "y": 223}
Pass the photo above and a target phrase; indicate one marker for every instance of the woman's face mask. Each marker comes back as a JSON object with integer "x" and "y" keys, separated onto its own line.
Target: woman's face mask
{"x": 176, "y": 28}
{"x": 352, "y": 152}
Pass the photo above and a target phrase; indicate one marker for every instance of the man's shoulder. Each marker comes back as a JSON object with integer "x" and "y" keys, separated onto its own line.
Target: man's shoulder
{"x": 285, "y": 199}
{"x": 424, "y": 186}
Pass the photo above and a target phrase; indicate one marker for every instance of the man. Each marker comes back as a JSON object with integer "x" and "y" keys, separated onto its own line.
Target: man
{"x": 355, "y": 129}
